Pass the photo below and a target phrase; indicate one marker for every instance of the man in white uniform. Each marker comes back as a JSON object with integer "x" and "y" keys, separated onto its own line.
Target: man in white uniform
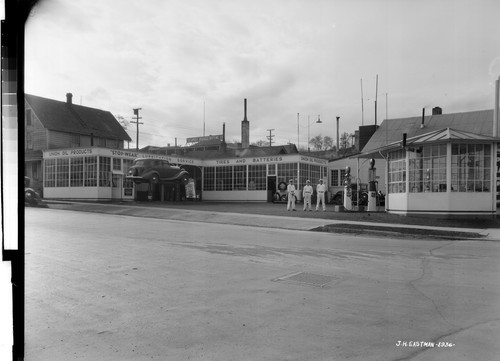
{"x": 320, "y": 190}
{"x": 290, "y": 191}
{"x": 307, "y": 192}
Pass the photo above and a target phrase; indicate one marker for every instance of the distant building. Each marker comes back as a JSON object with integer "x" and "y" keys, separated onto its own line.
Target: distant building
{"x": 52, "y": 124}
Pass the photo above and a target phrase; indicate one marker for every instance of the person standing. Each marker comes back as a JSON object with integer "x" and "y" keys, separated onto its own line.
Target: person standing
{"x": 307, "y": 192}
{"x": 320, "y": 190}
{"x": 290, "y": 191}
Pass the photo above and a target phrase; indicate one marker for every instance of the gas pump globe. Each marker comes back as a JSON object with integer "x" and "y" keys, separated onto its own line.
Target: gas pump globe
{"x": 372, "y": 187}
{"x": 347, "y": 189}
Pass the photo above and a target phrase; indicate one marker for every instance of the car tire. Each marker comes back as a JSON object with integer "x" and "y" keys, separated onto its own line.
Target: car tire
{"x": 30, "y": 198}
{"x": 155, "y": 178}
{"x": 363, "y": 199}
{"x": 338, "y": 200}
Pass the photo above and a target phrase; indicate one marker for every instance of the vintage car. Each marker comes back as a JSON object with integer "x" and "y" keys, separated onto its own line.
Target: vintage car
{"x": 31, "y": 197}
{"x": 149, "y": 170}
{"x": 338, "y": 198}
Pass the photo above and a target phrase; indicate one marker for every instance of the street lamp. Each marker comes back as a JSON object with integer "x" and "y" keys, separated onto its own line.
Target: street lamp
{"x": 308, "y": 129}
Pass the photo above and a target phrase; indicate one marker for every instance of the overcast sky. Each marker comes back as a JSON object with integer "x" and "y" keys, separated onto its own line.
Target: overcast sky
{"x": 190, "y": 63}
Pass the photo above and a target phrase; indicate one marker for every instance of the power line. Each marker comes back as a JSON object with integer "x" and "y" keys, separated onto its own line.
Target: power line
{"x": 270, "y": 137}
{"x": 136, "y": 113}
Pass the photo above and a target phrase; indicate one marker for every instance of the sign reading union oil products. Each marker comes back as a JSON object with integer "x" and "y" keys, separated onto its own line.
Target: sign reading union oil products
{"x": 69, "y": 152}
{"x": 105, "y": 152}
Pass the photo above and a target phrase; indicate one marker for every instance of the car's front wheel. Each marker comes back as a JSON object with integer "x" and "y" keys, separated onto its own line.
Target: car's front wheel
{"x": 338, "y": 200}
{"x": 155, "y": 178}
{"x": 184, "y": 180}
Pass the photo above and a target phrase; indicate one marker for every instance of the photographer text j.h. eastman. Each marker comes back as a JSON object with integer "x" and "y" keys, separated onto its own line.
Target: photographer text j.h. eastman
{"x": 424, "y": 344}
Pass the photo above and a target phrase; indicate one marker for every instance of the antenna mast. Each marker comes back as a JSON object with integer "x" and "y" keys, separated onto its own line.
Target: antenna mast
{"x": 376, "y": 93}
{"x": 362, "y": 105}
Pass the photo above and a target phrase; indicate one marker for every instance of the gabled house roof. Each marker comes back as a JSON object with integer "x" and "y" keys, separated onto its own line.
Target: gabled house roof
{"x": 71, "y": 118}
{"x": 476, "y": 123}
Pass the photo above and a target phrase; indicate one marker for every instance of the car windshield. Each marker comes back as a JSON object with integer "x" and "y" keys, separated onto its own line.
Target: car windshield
{"x": 140, "y": 163}
{"x": 151, "y": 162}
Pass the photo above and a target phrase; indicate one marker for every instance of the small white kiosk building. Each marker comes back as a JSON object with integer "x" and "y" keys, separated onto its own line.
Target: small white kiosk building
{"x": 444, "y": 165}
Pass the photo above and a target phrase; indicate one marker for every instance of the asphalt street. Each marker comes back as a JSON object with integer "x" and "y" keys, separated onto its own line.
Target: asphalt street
{"x": 121, "y": 284}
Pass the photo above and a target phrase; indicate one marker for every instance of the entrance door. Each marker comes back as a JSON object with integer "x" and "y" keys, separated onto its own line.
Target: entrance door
{"x": 117, "y": 186}
{"x": 271, "y": 188}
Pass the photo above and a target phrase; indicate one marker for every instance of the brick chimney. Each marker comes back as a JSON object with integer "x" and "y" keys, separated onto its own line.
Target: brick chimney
{"x": 437, "y": 111}
{"x": 69, "y": 98}
{"x": 245, "y": 129}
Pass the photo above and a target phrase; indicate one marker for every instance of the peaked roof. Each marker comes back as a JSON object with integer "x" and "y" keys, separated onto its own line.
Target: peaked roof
{"x": 448, "y": 134}
{"x": 391, "y": 130}
{"x": 246, "y": 152}
{"x": 440, "y": 136}
{"x": 72, "y": 118}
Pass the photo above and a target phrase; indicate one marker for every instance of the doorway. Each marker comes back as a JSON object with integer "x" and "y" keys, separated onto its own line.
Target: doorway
{"x": 271, "y": 188}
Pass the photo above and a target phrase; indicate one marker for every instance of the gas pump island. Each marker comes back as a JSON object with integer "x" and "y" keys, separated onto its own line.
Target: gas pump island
{"x": 347, "y": 189}
{"x": 372, "y": 187}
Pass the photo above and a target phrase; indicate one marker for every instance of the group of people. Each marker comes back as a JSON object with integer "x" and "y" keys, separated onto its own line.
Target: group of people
{"x": 307, "y": 193}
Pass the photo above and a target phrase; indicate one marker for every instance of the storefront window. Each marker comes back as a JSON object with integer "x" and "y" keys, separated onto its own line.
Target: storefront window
{"x": 397, "y": 172}
{"x": 209, "y": 178}
{"x": 311, "y": 172}
{"x": 117, "y": 164}
{"x": 90, "y": 175}
{"x": 240, "y": 177}
{"x": 49, "y": 173}
{"x": 471, "y": 168}
{"x": 286, "y": 172}
{"x": 257, "y": 177}
{"x": 104, "y": 171}
{"x": 76, "y": 166}
{"x": 223, "y": 178}
{"x": 427, "y": 169}
{"x": 334, "y": 178}
{"x": 62, "y": 172}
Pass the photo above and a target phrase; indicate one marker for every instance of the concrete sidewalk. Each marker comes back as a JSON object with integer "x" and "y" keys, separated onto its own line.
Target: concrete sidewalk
{"x": 238, "y": 214}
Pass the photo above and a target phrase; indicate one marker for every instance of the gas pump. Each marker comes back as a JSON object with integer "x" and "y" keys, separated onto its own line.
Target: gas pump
{"x": 372, "y": 187}
{"x": 347, "y": 189}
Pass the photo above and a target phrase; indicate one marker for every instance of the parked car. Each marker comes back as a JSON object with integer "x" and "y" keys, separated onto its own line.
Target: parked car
{"x": 148, "y": 170}
{"x": 338, "y": 198}
{"x": 31, "y": 197}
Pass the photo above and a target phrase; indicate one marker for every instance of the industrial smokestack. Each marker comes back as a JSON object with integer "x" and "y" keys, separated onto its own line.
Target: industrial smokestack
{"x": 437, "y": 111}
{"x": 223, "y": 132}
{"x": 69, "y": 98}
{"x": 245, "y": 129}
{"x": 422, "y": 125}
{"x": 245, "y": 110}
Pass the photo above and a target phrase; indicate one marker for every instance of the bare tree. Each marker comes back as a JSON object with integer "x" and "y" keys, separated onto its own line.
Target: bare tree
{"x": 123, "y": 122}
{"x": 327, "y": 142}
{"x": 316, "y": 142}
{"x": 261, "y": 143}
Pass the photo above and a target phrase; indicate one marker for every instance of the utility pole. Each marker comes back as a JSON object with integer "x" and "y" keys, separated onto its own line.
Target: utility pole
{"x": 270, "y": 137}
{"x": 136, "y": 113}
